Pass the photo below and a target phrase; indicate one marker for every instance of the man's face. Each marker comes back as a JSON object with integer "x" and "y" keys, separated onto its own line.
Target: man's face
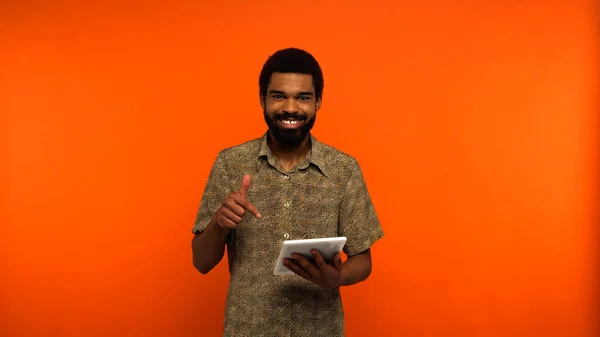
{"x": 290, "y": 107}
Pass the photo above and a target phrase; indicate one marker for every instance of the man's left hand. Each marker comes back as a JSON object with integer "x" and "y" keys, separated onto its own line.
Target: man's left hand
{"x": 326, "y": 275}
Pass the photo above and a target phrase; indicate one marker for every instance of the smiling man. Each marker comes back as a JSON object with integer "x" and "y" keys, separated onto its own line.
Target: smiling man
{"x": 281, "y": 186}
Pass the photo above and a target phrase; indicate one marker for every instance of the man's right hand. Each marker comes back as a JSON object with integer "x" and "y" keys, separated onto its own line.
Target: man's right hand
{"x": 230, "y": 214}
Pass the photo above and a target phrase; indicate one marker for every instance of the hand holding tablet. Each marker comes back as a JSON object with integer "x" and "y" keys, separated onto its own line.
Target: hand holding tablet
{"x": 319, "y": 268}
{"x": 316, "y": 260}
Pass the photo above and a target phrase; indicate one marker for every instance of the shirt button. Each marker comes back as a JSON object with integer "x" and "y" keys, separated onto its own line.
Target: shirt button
{"x": 286, "y": 177}
{"x": 287, "y": 204}
{"x": 286, "y": 235}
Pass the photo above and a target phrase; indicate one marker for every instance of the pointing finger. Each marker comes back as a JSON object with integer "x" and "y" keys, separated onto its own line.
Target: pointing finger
{"x": 247, "y": 205}
{"x": 251, "y": 208}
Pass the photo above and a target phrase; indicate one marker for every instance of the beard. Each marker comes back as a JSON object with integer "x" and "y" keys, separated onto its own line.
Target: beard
{"x": 287, "y": 137}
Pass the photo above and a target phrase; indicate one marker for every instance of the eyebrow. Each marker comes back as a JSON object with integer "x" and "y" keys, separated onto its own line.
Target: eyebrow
{"x": 279, "y": 92}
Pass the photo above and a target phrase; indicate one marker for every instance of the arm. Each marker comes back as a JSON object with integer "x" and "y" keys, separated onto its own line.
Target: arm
{"x": 359, "y": 223}
{"x": 210, "y": 239}
{"x": 208, "y": 247}
{"x": 356, "y": 268}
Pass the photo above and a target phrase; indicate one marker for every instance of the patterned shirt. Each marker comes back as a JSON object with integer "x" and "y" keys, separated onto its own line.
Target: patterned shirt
{"x": 324, "y": 195}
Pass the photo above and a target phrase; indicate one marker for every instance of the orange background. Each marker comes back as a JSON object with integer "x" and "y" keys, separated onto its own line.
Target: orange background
{"x": 474, "y": 123}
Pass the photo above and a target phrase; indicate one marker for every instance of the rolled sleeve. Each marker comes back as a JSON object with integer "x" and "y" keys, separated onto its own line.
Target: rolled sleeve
{"x": 358, "y": 221}
{"x": 216, "y": 190}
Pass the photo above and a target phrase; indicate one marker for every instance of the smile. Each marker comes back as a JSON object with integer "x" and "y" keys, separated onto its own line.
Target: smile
{"x": 290, "y": 124}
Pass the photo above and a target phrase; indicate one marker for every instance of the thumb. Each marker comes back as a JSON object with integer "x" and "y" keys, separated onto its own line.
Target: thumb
{"x": 245, "y": 185}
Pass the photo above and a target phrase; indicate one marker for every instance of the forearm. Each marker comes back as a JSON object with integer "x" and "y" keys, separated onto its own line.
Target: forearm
{"x": 356, "y": 269}
{"x": 208, "y": 247}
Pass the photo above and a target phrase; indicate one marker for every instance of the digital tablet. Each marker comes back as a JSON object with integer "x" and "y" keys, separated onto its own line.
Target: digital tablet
{"x": 328, "y": 247}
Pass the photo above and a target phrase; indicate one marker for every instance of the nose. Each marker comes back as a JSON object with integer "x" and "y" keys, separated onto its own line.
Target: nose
{"x": 290, "y": 106}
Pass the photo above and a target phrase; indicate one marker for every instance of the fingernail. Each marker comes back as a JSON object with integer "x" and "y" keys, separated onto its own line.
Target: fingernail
{"x": 258, "y": 215}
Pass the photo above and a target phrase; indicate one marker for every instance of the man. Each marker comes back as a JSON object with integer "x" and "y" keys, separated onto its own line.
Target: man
{"x": 285, "y": 185}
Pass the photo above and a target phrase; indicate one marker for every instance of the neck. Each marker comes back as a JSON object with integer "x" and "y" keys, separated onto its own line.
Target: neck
{"x": 288, "y": 155}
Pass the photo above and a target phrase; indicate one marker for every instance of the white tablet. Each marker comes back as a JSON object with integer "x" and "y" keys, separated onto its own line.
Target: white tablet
{"x": 328, "y": 247}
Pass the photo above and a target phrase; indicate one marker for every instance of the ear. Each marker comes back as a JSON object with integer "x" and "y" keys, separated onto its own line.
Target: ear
{"x": 262, "y": 102}
{"x": 318, "y": 104}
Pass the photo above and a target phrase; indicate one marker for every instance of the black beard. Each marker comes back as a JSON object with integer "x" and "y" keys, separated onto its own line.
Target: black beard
{"x": 286, "y": 137}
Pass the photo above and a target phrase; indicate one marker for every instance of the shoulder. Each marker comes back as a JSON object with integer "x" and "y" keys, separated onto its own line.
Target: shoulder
{"x": 337, "y": 161}
{"x": 240, "y": 152}
{"x": 338, "y": 156}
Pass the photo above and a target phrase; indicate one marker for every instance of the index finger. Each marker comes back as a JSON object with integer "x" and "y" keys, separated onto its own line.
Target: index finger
{"x": 248, "y": 206}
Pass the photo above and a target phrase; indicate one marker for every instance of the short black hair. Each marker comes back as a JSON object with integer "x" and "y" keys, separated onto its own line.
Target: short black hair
{"x": 291, "y": 60}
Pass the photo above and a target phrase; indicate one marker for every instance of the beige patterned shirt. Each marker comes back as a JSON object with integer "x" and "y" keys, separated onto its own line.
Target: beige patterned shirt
{"x": 322, "y": 196}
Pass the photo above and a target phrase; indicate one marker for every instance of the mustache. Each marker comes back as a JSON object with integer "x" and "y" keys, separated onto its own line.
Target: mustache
{"x": 286, "y": 115}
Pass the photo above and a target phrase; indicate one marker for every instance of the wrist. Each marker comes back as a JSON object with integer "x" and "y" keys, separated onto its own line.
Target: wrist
{"x": 344, "y": 276}
{"x": 222, "y": 231}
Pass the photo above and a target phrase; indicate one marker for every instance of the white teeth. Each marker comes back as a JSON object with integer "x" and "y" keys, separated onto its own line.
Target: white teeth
{"x": 290, "y": 122}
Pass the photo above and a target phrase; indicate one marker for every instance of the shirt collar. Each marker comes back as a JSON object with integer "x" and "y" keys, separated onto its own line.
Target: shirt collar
{"x": 315, "y": 155}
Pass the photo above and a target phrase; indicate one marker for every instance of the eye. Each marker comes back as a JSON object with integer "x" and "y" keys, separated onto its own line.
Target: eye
{"x": 304, "y": 98}
{"x": 277, "y": 96}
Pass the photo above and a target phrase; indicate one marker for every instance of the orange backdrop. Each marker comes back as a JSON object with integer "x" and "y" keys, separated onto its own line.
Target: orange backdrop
{"x": 474, "y": 124}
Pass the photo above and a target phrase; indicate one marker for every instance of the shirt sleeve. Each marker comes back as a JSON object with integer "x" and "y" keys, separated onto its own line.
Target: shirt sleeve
{"x": 216, "y": 190}
{"x": 358, "y": 221}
